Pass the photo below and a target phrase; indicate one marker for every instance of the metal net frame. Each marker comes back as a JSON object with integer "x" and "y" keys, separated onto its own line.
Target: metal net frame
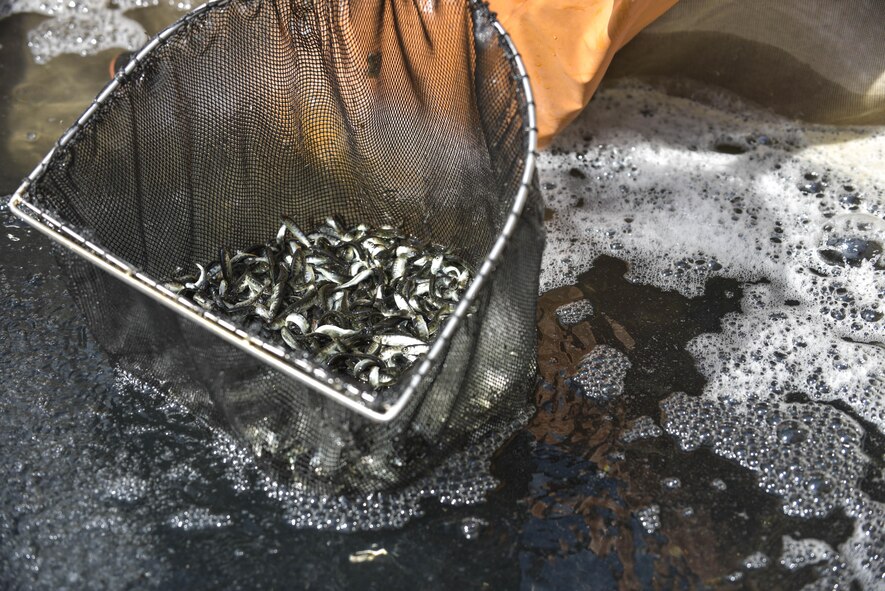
{"x": 379, "y": 112}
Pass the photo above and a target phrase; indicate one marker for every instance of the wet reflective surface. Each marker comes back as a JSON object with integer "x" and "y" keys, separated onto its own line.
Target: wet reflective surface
{"x": 614, "y": 483}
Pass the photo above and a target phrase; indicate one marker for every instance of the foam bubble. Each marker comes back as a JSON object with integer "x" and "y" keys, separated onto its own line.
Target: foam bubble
{"x": 642, "y": 428}
{"x": 719, "y": 484}
{"x": 811, "y": 471}
{"x": 464, "y": 478}
{"x": 471, "y": 527}
{"x": 199, "y": 518}
{"x": 798, "y": 554}
{"x": 83, "y": 27}
{"x": 84, "y": 35}
{"x": 656, "y": 190}
{"x": 755, "y": 561}
{"x": 600, "y": 374}
{"x": 671, "y": 482}
{"x": 686, "y": 191}
{"x": 574, "y": 312}
{"x": 828, "y": 564}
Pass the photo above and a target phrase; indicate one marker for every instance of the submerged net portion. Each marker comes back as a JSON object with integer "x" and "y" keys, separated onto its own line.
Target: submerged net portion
{"x": 384, "y": 113}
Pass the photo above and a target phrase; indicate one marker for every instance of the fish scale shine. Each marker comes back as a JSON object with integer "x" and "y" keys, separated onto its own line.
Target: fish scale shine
{"x": 365, "y": 301}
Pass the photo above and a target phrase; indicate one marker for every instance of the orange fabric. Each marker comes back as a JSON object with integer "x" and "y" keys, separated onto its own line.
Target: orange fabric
{"x": 568, "y": 44}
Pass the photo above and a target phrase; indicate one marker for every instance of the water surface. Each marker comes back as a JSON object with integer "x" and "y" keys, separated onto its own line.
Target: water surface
{"x": 619, "y": 481}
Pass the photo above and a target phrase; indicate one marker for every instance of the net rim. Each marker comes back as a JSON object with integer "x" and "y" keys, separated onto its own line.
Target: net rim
{"x": 309, "y": 373}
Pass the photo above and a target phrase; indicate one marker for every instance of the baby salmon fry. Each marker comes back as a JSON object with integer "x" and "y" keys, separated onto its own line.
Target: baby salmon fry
{"x": 366, "y": 302}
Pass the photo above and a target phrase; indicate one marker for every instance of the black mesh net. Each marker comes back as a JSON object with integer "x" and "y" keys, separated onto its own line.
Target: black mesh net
{"x": 383, "y": 112}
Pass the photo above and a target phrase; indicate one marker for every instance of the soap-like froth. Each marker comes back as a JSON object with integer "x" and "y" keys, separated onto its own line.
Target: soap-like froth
{"x": 650, "y": 518}
{"x": 573, "y": 313}
{"x": 642, "y": 428}
{"x": 83, "y": 27}
{"x": 648, "y": 178}
{"x": 601, "y": 373}
{"x": 464, "y": 478}
{"x": 685, "y": 191}
{"x": 773, "y": 349}
{"x": 808, "y": 454}
{"x": 798, "y": 554}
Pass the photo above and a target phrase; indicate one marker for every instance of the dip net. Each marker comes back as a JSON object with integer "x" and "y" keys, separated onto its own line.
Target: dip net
{"x": 416, "y": 116}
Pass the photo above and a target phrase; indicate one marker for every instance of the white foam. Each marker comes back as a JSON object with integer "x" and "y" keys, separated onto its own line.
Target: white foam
{"x": 198, "y": 518}
{"x": 832, "y": 571}
{"x": 798, "y": 554}
{"x": 84, "y": 35}
{"x": 83, "y": 27}
{"x": 574, "y": 312}
{"x": 683, "y": 197}
{"x": 685, "y": 191}
{"x": 600, "y": 374}
{"x": 643, "y": 427}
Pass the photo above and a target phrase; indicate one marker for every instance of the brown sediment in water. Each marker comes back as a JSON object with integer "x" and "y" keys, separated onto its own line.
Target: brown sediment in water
{"x": 704, "y": 534}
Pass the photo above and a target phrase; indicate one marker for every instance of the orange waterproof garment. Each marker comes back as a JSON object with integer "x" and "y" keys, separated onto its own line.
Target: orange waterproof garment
{"x": 567, "y": 46}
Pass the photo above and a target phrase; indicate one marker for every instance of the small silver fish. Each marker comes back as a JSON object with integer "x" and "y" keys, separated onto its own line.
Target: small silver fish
{"x": 366, "y": 301}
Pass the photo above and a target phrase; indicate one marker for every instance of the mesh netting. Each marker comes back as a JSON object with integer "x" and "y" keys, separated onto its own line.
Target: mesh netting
{"x": 382, "y": 112}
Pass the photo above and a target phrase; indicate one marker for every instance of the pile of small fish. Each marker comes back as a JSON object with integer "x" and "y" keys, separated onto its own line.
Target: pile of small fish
{"x": 363, "y": 301}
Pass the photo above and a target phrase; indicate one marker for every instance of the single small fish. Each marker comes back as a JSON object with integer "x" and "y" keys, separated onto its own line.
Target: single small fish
{"x": 298, "y": 320}
{"x": 330, "y": 330}
{"x": 293, "y": 229}
{"x": 329, "y": 275}
{"x": 289, "y": 338}
{"x": 357, "y": 279}
{"x": 201, "y": 281}
{"x": 175, "y": 286}
{"x": 398, "y": 340}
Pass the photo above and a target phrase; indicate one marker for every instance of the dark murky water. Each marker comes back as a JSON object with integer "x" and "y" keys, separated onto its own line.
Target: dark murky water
{"x": 115, "y": 487}
{"x": 109, "y": 486}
